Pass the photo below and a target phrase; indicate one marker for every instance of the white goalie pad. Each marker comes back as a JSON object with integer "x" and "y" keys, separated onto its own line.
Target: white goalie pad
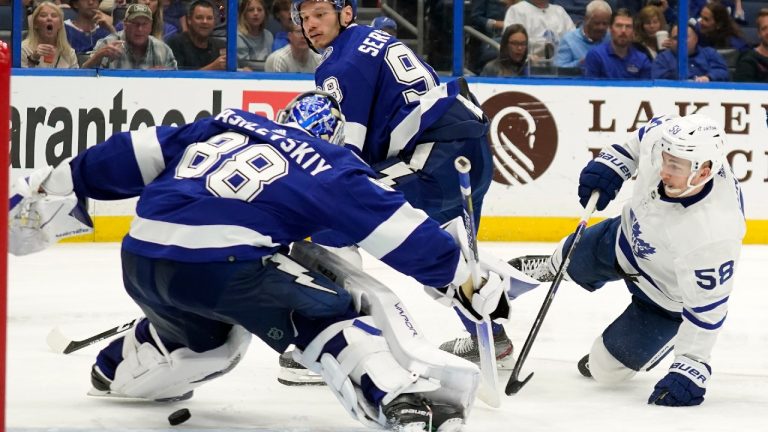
{"x": 152, "y": 374}
{"x": 454, "y": 380}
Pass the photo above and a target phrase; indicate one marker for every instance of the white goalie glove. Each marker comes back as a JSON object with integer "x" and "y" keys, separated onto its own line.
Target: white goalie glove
{"x": 43, "y": 209}
{"x": 499, "y": 282}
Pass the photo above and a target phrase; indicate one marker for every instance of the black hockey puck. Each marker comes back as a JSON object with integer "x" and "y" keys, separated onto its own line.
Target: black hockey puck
{"x": 179, "y": 417}
{"x": 583, "y": 366}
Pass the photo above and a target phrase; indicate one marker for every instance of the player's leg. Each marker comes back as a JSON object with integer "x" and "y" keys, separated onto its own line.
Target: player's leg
{"x": 636, "y": 341}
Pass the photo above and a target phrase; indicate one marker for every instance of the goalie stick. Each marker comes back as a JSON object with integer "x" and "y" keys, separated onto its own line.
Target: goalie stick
{"x": 489, "y": 384}
{"x": 60, "y": 343}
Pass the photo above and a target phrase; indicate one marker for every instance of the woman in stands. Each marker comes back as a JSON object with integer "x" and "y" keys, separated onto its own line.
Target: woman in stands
{"x": 648, "y": 21}
{"x": 46, "y": 44}
{"x": 254, "y": 41}
{"x": 513, "y": 54}
{"x": 716, "y": 29}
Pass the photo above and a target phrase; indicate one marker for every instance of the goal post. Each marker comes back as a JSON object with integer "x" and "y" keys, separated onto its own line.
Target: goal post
{"x": 5, "y": 148}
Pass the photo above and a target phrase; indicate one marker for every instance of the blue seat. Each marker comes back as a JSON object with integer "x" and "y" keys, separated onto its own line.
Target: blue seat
{"x": 751, "y": 9}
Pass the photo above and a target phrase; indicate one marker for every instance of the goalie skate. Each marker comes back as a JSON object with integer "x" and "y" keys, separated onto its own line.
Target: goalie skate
{"x": 410, "y": 412}
{"x": 467, "y": 348}
{"x": 293, "y": 374}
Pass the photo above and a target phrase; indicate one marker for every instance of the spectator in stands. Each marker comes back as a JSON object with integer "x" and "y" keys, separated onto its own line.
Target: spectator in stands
{"x": 254, "y": 41}
{"x": 753, "y": 64}
{"x": 718, "y": 30}
{"x": 46, "y": 44}
{"x": 513, "y": 54}
{"x": 88, "y": 27}
{"x": 195, "y": 48}
{"x": 279, "y": 23}
{"x": 385, "y": 24}
{"x": 648, "y": 22}
{"x": 546, "y": 23}
{"x": 295, "y": 57}
{"x": 618, "y": 58}
{"x": 592, "y": 32}
{"x": 133, "y": 47}
{"x": 704, "y": 63}
{"x": 174, "y": 13}
{"x": 160, "y": 29}
{"x": 487, "y": 17}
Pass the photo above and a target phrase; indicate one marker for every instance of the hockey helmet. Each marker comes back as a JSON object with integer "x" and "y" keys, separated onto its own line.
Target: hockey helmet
{"x": 317, "y": 113}
{"x": 337, "y": 4}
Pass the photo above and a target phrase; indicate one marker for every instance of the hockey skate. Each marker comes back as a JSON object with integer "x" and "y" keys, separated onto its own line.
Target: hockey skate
{"x": 466, "y": 348}
{"x": 294, "y": 374}
{"x": 101, "y": 389}
{"x": 583, "y": 366}
{"x": 411, "y": 412}
{"x": 535, "y": 266}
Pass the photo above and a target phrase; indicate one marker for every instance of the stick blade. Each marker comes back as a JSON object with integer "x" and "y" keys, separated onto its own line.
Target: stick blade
{"x": 489, "y": 391}
{"x": 58, "y": 342}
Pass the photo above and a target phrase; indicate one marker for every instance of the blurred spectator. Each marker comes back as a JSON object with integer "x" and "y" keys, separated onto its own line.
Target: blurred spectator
{"x": 133, "y": 47}
{"x": 704, "y": 63}
{"x": 546, "y": 23}
{"x": 385, "y": 24}
{"x": 88, "y": 27}
{"x": 160, "y": 29}
{"x": 487, "y": 17}
{"x": 174, "y": 12}
{"x": 295, "y": 57}
{"x": 753, "y": 64}
{"x": 592, "y": 32}
{"x": 196, "y": 48}
{"x": 649, "y": 21}
{"x": 46, "y": 45}
{"x": 513, "y": 54}
{"x": 254, "y": 41}
{"x": 717, "y": 29}
{"x": 618, "y": 58}
{"x": 280, "y": 23}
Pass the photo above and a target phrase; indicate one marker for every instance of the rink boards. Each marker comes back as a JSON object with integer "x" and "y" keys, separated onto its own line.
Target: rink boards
{"x": 542, "y": 133}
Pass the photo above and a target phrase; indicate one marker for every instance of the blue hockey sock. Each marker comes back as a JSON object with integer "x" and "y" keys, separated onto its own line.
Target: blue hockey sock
{"x": 472, "y": 327}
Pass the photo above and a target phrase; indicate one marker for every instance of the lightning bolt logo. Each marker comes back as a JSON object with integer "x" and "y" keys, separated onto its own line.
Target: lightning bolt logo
{"x": 298, "y": 271}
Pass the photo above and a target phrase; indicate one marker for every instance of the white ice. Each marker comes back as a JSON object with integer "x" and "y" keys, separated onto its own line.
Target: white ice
{"x": 78, "y": 287}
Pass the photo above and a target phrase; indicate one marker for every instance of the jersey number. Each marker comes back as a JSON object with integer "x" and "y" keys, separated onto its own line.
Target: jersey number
{"x": 709, "y": 279}
{"x": 242, "y": 176}
{"x": 408, "y": 70}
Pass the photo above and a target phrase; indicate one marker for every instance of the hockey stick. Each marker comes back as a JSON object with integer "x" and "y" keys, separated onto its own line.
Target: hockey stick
{"x": 514, "y": 384}
{"x": 61, "y": 344}
{"x": 489, "y": 384}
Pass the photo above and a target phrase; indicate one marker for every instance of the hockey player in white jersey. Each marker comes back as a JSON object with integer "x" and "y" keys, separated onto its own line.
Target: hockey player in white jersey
{"x": 676, "y": 245}
{"x": 206, "y": 259}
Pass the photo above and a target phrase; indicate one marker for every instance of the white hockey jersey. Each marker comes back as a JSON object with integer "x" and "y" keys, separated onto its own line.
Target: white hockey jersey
{"x": 683, "y": 251}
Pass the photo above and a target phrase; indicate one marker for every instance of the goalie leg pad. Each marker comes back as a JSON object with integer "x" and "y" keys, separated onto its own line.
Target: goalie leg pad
{"x": 149, "y": 371}
{"x": 604, "y": 367}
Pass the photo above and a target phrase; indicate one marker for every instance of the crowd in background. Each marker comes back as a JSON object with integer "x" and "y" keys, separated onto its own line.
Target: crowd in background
{"x": 727, "y": 40}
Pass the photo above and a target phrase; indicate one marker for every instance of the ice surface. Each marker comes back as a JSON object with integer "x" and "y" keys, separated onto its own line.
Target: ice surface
{"x": 78, "y": 287}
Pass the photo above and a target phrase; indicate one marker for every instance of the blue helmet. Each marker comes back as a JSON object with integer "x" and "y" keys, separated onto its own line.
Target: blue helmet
{"x": 318, "y": 113}
{"x": 337, "y": 4}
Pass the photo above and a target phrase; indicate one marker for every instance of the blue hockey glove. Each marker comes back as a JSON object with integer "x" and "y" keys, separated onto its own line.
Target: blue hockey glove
{"x": 606, "y": 173}
{"x": 684, "y": 385}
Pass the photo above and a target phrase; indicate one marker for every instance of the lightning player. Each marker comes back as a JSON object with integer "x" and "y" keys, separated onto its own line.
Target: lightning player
{"x": 676, "y": 245}
{"x": 400, "y": 121}
{"x": 220, "y": 200}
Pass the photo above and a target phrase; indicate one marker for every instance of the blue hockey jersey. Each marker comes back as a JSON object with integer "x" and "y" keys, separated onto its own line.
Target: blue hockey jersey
{"x": 389, "y": 96}
{"x": 239, "y": 187}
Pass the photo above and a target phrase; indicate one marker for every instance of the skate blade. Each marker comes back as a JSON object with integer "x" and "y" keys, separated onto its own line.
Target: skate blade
{"x": 299, "y": 377}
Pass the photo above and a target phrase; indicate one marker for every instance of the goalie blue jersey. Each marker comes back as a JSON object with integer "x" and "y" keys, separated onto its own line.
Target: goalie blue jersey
{"x": 389, "y": 97}
{"x": 241, "y": 187}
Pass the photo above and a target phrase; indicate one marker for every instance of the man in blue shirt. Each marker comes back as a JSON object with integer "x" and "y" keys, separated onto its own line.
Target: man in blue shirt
{"x": 705, "y": 64}
{"x": 575, "y": 45}
{"x": 618, "y": 59}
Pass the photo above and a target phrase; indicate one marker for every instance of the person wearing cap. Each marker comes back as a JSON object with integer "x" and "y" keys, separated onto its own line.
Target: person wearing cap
{"x": 385, "y": 24}
{"x": 133, "y": 47}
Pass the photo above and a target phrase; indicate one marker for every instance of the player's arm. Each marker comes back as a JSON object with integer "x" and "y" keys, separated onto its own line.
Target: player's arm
{"x": 705, "y": 278}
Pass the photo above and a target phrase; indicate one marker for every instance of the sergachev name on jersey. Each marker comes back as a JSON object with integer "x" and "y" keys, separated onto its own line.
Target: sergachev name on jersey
{"x": 374, "y": 43}
{"x": 296, "y": 150}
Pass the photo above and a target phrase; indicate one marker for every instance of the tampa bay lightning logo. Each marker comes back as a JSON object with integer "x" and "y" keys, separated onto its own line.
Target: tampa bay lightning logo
{"x": 640, "y": 247}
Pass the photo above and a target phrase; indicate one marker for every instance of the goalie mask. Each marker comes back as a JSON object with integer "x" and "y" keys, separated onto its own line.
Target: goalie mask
{"x": 318, "y": 114}
{"x": 695, "y": 138}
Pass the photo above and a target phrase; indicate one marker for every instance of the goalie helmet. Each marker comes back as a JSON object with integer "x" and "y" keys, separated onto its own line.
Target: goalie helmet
{"x": 318, "y": 113}
{"x": 695, "y": 138}
{"x": 337, "y": 4}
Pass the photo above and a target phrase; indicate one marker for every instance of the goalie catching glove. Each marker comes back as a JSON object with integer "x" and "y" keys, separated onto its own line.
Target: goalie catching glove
{"x": 490, "y": 298}
{"x": 43, "y": 209}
